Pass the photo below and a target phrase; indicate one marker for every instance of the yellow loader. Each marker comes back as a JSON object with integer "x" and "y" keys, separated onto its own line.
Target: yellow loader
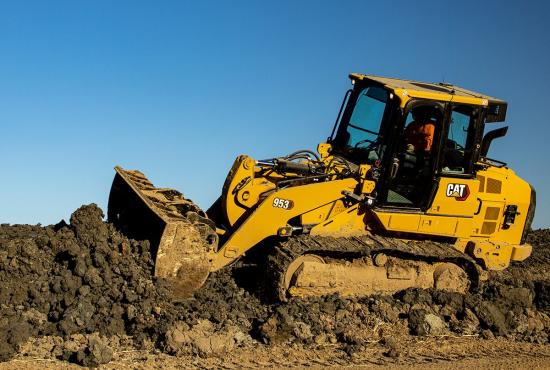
{"x": 402, "y": 194}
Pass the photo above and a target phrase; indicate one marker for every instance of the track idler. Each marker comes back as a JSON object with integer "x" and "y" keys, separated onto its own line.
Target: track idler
{"x": 180, "y": 233}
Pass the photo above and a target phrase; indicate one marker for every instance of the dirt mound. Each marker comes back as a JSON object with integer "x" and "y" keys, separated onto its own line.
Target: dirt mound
{"x": 86, "y": 280}
{"x": 79, "y": 278}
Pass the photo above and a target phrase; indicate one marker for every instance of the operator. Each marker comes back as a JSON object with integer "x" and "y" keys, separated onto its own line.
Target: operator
{"x": 419, "y": 134}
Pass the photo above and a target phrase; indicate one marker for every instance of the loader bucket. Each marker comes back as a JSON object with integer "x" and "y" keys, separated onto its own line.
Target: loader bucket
{"x": 179, "y": 232}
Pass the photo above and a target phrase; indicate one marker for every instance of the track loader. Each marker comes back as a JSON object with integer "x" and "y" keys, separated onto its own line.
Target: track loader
{"x": 402, "y": 194}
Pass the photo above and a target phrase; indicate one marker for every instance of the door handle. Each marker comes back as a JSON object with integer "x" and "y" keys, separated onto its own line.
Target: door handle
{"x": 394, "y": 168}
{"x": 479, "y": 207}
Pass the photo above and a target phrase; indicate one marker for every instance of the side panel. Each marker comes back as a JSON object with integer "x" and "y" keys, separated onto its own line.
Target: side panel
{"x": 455, "y": 197}
{"x": 498, "y": 224}
{"x": 450, "y": 213}
{"x": 498, "y": 189}
{"x": 425, "y": 224}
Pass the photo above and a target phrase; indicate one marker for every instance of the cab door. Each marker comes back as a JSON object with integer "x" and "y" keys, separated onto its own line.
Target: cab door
{"x": 458, "y": 186}
{"x": 409, "y": 177}
{"x": 446, "y": 202}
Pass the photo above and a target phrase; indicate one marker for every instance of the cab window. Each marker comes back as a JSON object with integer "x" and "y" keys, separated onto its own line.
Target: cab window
{"x": 359, "y": 137}
{"x": 364, "y": 123}
{"x": 457, "y": 150}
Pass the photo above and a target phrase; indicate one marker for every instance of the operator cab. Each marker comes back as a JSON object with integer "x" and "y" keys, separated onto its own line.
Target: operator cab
{"x": 412, "y": 134}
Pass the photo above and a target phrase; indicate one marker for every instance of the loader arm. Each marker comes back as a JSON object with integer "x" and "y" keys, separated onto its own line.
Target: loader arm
{"x": 271, "y": 217}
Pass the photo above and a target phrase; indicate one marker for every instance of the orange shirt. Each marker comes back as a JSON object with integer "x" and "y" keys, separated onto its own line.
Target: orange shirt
{"x": 420, "y": 135}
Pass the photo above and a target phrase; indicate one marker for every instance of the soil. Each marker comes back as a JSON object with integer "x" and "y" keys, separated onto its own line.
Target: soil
{"x": 83, "y": 293}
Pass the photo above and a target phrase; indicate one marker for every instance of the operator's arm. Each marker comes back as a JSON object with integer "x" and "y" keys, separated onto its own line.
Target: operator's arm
{"x": 428, "y": 131}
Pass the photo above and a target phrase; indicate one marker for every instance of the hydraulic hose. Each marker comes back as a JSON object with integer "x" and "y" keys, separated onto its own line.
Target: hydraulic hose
{"x": 302, "y": 152}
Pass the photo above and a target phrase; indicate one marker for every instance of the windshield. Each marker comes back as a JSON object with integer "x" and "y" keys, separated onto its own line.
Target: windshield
{"x": 360, "y": 136}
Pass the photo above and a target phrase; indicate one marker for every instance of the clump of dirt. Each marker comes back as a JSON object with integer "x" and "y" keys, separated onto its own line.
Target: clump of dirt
{"x": 86, "y": 285}
{"x": 203, "y": 339}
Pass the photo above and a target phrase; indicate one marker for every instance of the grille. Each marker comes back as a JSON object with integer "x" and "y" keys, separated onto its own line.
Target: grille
{"x": 488, "y": 227}
{"x": 494, "y": 186}
{"x": 492, "y": 213}
{"x": 481, "y": 183}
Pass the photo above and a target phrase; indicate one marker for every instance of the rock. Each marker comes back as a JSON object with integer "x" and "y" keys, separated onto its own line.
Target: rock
{"x": 97, "y": 352}
{"x": 320, "y": 339}
{"x": 302, "y": 331}
{"x": 175, "y": 337}
{"x": 202, "y": 339}
{"x": 35, "y": 317}
{"x": 434, "y": 325}
{"x": 423, "y": 323}
{"x": 332, "y": 338}
{"x": 517, "y": 296}
{"x": 491, "y": 318}
{"x": 469, "y": 324}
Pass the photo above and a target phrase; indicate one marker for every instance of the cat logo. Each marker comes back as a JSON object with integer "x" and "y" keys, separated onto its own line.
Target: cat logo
{"x": 458, "y": 191}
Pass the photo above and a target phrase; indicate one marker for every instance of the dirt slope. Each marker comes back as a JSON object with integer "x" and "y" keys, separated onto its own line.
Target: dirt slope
{"x": 83, "y": 293}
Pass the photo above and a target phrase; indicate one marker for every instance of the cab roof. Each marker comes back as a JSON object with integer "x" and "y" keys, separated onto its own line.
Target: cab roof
{"x": 406, "y": 89}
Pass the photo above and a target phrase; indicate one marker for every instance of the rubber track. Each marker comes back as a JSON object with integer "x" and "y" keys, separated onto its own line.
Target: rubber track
{"x": 356, "y": 247}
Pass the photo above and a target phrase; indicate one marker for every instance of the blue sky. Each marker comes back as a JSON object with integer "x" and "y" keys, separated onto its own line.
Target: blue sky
{"x": 178, "y": 89}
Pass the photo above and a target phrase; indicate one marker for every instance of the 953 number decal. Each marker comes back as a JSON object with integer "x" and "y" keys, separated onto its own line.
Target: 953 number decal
{"x": 282, "y": 203}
